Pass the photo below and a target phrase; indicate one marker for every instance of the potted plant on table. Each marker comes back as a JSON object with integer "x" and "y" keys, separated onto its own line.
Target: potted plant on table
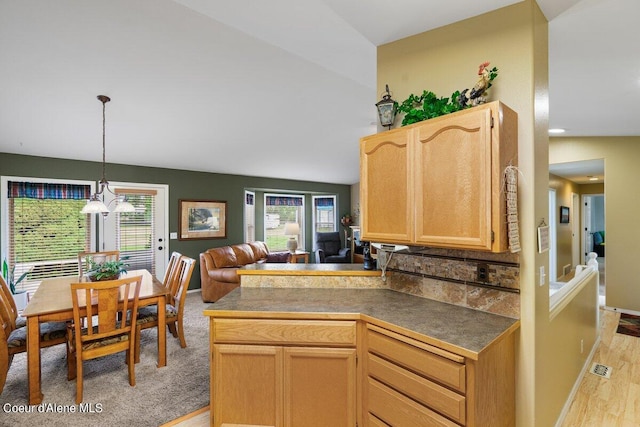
{"x": 105, "y": 270}
{"x": 19, "y": 296}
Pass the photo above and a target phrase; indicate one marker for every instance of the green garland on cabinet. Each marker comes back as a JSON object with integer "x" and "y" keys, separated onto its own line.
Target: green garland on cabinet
{"x": 428, "y": 105}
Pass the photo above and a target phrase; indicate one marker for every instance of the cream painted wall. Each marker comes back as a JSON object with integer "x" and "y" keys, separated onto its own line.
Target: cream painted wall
{"x": 592, "y": 188}
{"x": 622, "y": 205}
{"x": 564, "y": 234}
{"x": 515, "y": 39}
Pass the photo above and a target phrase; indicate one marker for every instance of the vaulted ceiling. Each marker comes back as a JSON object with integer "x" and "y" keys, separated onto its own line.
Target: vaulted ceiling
{"x": 283, "y": 88}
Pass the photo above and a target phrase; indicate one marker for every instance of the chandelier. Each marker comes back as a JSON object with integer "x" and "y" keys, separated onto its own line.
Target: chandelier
{"x": 96, "y": 202}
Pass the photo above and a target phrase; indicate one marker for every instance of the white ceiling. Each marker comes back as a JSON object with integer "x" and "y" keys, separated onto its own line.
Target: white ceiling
{"x": 283, "y": 88}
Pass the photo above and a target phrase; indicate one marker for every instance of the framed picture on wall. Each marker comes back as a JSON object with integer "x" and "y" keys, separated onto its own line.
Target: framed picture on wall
{"x": 202, "y": 219}
{"x": 564, "y": 215}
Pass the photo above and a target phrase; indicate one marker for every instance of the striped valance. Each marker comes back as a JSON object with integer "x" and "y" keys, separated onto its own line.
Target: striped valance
{"x": 324, "y": 202}
{"x": 284, "y": 201}
{"x": 43, "y": 190}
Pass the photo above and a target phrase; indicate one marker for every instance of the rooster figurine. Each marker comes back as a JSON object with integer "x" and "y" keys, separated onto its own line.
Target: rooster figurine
{"x": 477, "y": 94}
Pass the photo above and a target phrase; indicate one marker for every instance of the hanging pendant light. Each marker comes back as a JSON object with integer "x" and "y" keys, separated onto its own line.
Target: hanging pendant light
{"x": 96, "y": 202}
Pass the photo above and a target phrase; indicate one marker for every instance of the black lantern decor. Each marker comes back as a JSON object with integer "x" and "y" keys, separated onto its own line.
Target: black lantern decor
{"x": 387, "y": 109}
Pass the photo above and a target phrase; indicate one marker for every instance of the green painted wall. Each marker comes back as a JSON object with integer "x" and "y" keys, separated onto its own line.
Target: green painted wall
{"x": 184, "y": 185}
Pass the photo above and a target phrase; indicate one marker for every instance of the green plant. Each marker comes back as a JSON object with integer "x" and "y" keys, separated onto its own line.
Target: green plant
{"x": 9, "y": 276}
{"x": 105, "y": 270}
{"x": 428, "y": 106}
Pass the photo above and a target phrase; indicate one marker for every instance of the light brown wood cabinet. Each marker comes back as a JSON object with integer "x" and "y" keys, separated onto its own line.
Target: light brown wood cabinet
{"x": 294, "y": 371}
{"x": 411, "y": 383}
{"x": 283, "y": 372}
{"x": 439, "y": 182}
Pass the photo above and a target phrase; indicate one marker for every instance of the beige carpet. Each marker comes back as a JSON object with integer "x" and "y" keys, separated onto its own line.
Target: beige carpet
{"x": 160, "y": 394}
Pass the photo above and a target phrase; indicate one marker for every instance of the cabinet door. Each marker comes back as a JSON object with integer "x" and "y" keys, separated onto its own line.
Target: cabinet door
{"x": 320, "y": 387}
{"x": 247, "y": 385}
{"x": 386, "y": 196}
{"x": 453, "y": 181}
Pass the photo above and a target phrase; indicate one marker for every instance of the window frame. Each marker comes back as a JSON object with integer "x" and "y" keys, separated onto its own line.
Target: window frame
{"x": 335, "y": 211}
{"x": 302, "y": 240}
{"x": 4, "y": 209}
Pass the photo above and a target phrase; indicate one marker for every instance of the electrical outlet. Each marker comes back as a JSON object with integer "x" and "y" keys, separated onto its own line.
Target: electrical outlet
{"x": 482, "y": 273}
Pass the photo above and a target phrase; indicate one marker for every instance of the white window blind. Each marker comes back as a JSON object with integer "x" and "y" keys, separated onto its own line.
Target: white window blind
{"x": 135, "y": 231}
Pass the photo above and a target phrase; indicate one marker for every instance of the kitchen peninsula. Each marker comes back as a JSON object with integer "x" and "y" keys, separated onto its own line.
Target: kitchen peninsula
{"x": 339, "y": 355}
{"x": 309, "y": 276}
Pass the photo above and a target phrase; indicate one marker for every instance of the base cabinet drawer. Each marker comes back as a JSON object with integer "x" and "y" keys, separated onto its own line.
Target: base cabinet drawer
{"x": 333, "y": 333}
{"x": 446, "y": 371}
{"x": 428, "y": 393}
{"x": 375, "y": 421}
{"x": 397, "y": 410}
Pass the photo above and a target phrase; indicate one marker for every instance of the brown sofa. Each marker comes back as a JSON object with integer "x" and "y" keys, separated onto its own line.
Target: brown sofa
{"x": 218, "y": 266}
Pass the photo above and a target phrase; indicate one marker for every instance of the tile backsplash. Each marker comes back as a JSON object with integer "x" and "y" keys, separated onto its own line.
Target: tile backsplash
{"x": 452, "y": 276}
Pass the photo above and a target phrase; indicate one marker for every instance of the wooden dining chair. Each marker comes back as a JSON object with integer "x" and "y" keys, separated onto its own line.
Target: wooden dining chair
{"x": 171, "y": 269}
{"x": 5, "y": 330}
{"x": 109, "y": 301}
{"x": 5, "y": 362}
{"x": 16, "y": 320}
{"x": 15, "y": 328}
{"x": 148, "y": 316}
{"x": 84, "y": 257}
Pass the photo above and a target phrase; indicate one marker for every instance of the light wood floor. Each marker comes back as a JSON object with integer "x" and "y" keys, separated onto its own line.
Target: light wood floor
{"x": 613, "y": 402}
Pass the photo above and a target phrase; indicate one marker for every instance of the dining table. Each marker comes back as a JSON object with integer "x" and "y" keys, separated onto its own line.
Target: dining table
{"x": 52, "y": 303}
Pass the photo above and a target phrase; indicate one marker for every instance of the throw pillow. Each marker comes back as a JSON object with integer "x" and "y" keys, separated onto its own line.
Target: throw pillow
{"x": 280, "y": 257}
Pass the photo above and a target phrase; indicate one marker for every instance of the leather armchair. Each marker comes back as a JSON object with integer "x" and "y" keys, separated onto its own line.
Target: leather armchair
{"x": 329, "y": 249}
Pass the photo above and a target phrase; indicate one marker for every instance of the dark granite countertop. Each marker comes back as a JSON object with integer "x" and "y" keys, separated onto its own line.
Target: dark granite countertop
{"x": 459, "y": 329}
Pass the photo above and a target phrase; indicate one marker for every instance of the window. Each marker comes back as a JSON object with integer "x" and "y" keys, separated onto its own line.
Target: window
{"x": 44, "y": 229}
{"x": 324, "y": 213}
{"x": 249, "y": 216}
{"x": 280, "y": 209}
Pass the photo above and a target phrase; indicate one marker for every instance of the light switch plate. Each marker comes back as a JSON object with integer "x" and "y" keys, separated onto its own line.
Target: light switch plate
{"x": 173, "y": 236}
{"x": 543, "y": 277}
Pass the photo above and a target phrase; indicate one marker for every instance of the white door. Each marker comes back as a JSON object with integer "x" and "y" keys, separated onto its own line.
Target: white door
{"x": 588, "y": 236}
{"x": 553, "y": 250}
{"x": 575, "y": 230}
{"x": 142, "y": 235}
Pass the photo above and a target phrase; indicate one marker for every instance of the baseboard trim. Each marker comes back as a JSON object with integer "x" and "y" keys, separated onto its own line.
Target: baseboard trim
{"x": 186, "y": 417}
{"x": 576, "y": 385}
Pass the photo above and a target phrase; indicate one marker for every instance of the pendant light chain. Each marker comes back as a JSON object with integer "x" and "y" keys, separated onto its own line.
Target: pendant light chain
{"x": 104, "y": 103}
{"x": 104, "y": 99}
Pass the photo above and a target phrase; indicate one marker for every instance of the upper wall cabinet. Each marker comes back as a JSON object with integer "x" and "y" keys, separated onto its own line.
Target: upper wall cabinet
{"x": 439, "y": 182}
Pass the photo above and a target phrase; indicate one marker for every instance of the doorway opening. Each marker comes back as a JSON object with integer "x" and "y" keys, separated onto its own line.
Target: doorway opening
{"x": 595, "y": 234}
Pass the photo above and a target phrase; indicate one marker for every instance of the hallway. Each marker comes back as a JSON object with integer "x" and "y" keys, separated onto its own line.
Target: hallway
{"x": 615, "y": 401}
